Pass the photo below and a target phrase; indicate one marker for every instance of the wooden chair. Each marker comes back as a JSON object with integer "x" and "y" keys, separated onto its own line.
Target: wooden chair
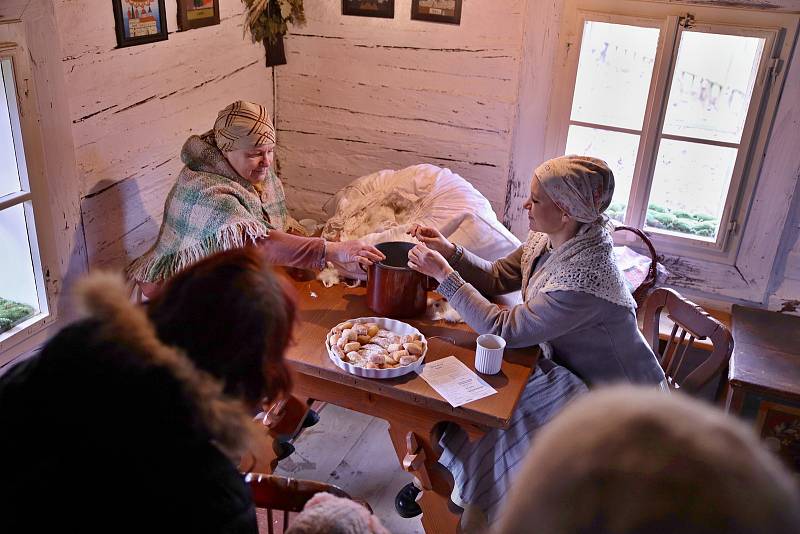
{"x": 692, "y": 320}
{"x": 640, "y": 293}
{"x": 282, "y": 496}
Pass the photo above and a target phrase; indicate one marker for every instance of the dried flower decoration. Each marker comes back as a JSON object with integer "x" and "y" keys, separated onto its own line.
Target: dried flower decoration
{"x": 267, "y": 20}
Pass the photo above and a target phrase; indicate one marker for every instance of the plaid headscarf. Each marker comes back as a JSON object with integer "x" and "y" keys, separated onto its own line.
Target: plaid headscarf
{"x": 243, "y": 125}
{"x": 581, "y": 187}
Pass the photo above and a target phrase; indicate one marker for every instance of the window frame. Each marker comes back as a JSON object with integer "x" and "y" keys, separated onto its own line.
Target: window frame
{"x": 743, "y": 268}
{"x": 736, "y": 204}
{"x": 33, "y": 183}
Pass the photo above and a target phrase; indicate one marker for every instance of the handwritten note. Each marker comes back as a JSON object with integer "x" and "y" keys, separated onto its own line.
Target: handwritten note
{"x": 455, "y": 381}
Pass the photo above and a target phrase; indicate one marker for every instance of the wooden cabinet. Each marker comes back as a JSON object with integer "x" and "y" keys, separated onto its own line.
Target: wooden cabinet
{"x": 764, "y": 378}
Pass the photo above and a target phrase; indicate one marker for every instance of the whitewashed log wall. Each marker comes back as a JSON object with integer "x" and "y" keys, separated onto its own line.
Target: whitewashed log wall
{"x": 132, "y": 109}
{"x": 363, "y": 94}
{"x": 785, "y": 294}
{"x": 358, "y": 95}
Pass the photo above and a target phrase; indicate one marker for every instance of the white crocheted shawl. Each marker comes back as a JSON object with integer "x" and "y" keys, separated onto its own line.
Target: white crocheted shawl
{"x": 585, "y": 263}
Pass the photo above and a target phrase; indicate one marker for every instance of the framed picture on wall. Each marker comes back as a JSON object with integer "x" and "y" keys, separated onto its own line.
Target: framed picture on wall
{"x": 139, "y": 21}
{"x": 448, "y": 11}
{"x": 369, "y": 8}
{"x": 197, "y": 13}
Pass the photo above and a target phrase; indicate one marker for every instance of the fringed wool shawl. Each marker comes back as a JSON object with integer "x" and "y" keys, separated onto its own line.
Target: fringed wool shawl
{"x": 209, "y": 209}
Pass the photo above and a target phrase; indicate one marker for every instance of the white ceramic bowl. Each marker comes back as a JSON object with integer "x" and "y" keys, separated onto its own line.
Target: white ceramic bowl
{"x": 393, "y": 325}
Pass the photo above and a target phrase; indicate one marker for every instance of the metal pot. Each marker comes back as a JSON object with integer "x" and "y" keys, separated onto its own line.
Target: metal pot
{"x": 393, "y": 288}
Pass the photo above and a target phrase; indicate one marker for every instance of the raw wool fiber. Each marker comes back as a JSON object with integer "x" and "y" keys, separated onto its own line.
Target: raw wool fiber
{"x": 376, "y": 212}
{"x": 330, "y": 276}
{"x": 380, "y": 207}
{"x": 440, "y": 310}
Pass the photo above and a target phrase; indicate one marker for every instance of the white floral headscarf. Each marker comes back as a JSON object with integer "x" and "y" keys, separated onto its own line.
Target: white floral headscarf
{"x": 581, "y": 186}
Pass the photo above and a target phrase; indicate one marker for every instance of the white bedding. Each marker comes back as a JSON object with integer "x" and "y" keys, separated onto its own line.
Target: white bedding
{"x": 381, "y": 206}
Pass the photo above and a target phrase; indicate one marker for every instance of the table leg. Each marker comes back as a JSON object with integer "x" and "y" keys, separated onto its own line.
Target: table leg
{"x": 734, "y": 400}
{"x": 418, "y": 452}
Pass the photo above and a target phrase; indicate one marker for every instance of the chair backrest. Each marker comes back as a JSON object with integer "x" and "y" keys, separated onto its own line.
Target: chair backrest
{"x": 282, "y": 496}
{"x": 640, "y": 293}
{"x": 692, "y": 320}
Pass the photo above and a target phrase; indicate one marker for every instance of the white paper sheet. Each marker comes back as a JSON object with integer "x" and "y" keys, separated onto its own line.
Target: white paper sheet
{"x": 455, "y": 381}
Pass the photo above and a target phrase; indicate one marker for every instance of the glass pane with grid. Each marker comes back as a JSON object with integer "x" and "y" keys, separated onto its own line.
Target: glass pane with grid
{"x": 712, "y": 86}
{"x": 690, "y": 185}
{"x": 21, "y": 279}
{"x": 18, "y": 294}
{"x": 9, "y": 174}
{"x": 615, "y": 68}
{"x": 618, "y": 150}
{"x": 710, "y": 96}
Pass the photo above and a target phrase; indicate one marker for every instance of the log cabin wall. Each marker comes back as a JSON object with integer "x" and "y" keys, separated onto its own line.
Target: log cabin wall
{"x": 358, "y": 95}
{"x": 132, "y": 108}
{"x": 785, "y": 292}
{"x": 362, "y": 94}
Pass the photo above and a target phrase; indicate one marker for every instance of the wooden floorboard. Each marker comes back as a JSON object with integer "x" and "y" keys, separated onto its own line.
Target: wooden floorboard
{"x": 354, "y": 452}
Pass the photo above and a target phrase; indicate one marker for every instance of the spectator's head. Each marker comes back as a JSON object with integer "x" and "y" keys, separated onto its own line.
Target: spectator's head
{"x": 628, "y": 460}
{"x": 109, "y": 426}
{"x": 233, "y": 316}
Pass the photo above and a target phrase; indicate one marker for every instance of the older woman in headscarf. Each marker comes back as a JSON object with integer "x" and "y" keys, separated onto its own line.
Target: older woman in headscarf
{"x": 228, "y": 196}
{"x": 576, "y": 307}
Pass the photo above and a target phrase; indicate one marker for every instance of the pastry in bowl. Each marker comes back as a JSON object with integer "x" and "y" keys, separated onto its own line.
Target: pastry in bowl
{"x": 376, "y": 347}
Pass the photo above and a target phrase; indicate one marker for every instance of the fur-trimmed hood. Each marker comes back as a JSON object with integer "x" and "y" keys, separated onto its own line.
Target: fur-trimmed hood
{"x": 104, "y": 298}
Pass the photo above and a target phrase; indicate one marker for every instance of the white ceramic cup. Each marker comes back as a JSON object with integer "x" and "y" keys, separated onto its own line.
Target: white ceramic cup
{"x": 489, "y": 354}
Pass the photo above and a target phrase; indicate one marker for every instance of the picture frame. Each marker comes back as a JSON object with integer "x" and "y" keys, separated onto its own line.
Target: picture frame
{"x": 447, "y": 11}
{"x": 139, "y": 21}
{"x": 197, "y": 14}
{"x": 369, "y": 8}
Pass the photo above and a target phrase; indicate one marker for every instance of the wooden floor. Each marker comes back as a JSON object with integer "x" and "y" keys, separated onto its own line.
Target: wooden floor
{"x": 354, "y": 452}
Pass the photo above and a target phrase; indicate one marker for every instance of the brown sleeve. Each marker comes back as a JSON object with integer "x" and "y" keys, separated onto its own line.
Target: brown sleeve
{"x": 280, "y": 248}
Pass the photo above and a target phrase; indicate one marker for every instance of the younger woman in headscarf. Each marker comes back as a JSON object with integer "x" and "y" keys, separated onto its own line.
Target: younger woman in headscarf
{"x": 576, "y": 307}
{"x": 227, "y": 196}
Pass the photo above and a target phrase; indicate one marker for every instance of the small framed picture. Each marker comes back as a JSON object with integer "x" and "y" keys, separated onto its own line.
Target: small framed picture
{"x": 369, "y": 8}
{"x": 448, "y": 11}
{"x": 197, "y": 13}
{"x": 139, "y": 21}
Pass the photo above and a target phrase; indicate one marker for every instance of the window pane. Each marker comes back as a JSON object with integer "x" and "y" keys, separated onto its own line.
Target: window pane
{"x": 9, "y": 176}
{"x": 614, "y": 72}
{"x": 618, "y": 150}
{"x": 18, "y": 298}
{"x": 712, "y": 86}
{"x": 690, "y": 185}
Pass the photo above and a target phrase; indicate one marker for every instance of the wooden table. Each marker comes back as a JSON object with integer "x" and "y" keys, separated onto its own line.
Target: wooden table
{"x": 764, "y": 377}
{"x": 412, "y": 408}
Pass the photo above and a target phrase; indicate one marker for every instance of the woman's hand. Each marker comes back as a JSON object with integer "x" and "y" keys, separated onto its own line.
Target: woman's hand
{"x": 433, "y": 239}
{"x": 430, "y": 262}
{"x": 341, "y": 253}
